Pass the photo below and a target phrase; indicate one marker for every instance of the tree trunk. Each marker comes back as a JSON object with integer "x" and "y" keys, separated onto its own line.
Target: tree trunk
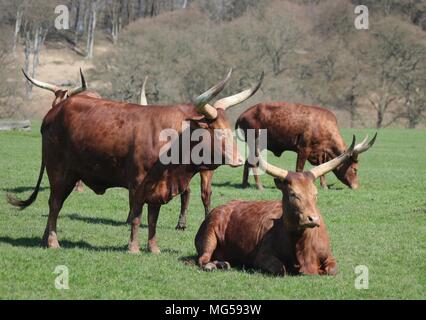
{"x": 379, "y": 121}
{"x": 17, "y": 29}
{"x": 27, "y": 53}
{"x": 39, "y": 38}
{"x": 91, "y": 31}
{"x": 140, "y": 8}
{"x": 79, "y": 21}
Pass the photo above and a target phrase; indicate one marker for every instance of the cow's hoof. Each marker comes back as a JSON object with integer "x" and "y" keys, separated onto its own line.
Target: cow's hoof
{"x": 134, "y": 248}
{"x": 53, "y": 244}
{"x": 154, "y": 249}
{"x": 180, "y": 226}
{"x": 210, "y": 266}
{"x": 50, "y": 242}
{"x": 245, "y": 185}
{"x": 224, "y": 265}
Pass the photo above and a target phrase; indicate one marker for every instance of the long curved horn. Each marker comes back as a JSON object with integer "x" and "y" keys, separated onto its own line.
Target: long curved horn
{"x": 43, "y": 85}
{"x": 271, "y": 169}
{"x": 143, "y": 100}
{"x": 239, "y": 97}
{"x": 201, "y": 102}
{"x": 363, "y": 146}
{"x": 322, "y": 169}
{"x": 79, "y": 89}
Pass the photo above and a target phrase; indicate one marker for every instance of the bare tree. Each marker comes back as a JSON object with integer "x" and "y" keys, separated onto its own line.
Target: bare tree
{"x": 391, "y": 57}
{"x": 93, "y": 9}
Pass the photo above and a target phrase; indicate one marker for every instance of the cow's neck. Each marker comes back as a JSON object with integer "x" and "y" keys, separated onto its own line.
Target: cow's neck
{"x": 302, "y": 244}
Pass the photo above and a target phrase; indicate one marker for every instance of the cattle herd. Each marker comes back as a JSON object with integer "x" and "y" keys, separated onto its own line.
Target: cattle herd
{"x": 105, "y": 144}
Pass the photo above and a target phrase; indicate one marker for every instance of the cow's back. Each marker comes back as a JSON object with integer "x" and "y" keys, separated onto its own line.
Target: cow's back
{"x": 108, "y": 143}
{"x": 290, "y": 125}
{"x": 240, "y": 227}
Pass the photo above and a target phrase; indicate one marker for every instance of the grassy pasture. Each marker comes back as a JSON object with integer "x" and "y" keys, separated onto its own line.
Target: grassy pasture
{"x": 382, "y": 226}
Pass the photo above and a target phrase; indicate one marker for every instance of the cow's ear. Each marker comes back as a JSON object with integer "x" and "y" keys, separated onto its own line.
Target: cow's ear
{"x": 197, "y": 117}
{"x": 199, "y": 121}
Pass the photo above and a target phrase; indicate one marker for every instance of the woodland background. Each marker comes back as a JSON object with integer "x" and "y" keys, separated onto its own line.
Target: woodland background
{"x": 309, "y": 49}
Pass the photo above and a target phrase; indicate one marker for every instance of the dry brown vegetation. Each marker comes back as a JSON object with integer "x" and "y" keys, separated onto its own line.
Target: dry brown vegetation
{"x": 309, "y": 49}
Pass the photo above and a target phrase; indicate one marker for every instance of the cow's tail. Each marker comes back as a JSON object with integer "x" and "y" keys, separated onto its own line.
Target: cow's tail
{"x": 22, "y": 204}
{"x": 237, "y": 132}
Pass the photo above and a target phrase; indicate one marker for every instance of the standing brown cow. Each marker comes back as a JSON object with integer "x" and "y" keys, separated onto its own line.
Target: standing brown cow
{"x": 205, "y": 175}
{"x": 278, "y": 237}
{"x": 312, "y": 132}
{"x": 109, "y": 144}
{"x": 60, "y": 95}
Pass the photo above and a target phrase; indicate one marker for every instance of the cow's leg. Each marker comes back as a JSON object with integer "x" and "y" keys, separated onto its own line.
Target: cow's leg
{"x": 323, "y": 182}
{"x": 61, "y": 185}
{"x": 224, "y": 265}
{"x": 302, "y": 156}
{"x": 184, "y": 204}
{"x": 206, "y": 244}
{"x": 79, "y": 186}
{"x": 206, "y": 190}
{"x": 270, "y": 264}
{"x": 245, "y": 182}
{"x": 329, "y": 266}
{"x": 136, "y": 206}
{"x": 257, "y": 178}
{"x": 153, "y": 211}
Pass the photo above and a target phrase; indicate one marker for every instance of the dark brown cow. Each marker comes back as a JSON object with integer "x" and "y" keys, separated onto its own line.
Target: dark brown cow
{"x": 61, "y": 94}
{"x": 312, "y": 132}
{"x": 109, "y": 144}
{"x": 279, "y": 237}
{"x": 205, "y": 175}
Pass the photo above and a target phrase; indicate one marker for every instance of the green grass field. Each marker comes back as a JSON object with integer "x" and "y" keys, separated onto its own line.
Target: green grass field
{"x": 382, "y": 226}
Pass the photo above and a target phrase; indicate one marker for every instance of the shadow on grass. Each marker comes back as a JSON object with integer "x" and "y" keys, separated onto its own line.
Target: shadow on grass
{"x": 192, "y": 261}
{"x": 106, "y": 221}
{"x": 35, "y": 242}
{"x": 237, "y": 185}
{"x": 22, "y": 189}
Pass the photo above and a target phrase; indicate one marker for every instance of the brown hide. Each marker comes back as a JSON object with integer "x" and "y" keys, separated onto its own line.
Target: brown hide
{"x": 312, "y": 132}
{"x": 261, "y": 234}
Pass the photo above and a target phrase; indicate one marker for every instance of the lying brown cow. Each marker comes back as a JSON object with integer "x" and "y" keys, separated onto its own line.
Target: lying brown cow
{"x": 110, "y": 144}
{"x": 311, "y": 132}
{"x": 279, "y": 237}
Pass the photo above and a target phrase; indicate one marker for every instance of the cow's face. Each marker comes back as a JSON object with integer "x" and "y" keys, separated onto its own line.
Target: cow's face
{"x": 299, "y": 200}
{"x": 348, "y": 173}
{"x": 222, "y": 141}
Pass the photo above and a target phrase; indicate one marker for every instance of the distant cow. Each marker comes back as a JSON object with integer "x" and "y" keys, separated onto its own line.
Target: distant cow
{"x": 205, "y": 175}
{"x": 312, "y": 132}
{"x": 61, "y": 94}
{"x": 109, "y": 144}
{"x": 279, "y": 237}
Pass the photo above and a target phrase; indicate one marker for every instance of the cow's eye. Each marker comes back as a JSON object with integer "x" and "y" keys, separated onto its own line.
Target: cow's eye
{"x": 293, "y": 196}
